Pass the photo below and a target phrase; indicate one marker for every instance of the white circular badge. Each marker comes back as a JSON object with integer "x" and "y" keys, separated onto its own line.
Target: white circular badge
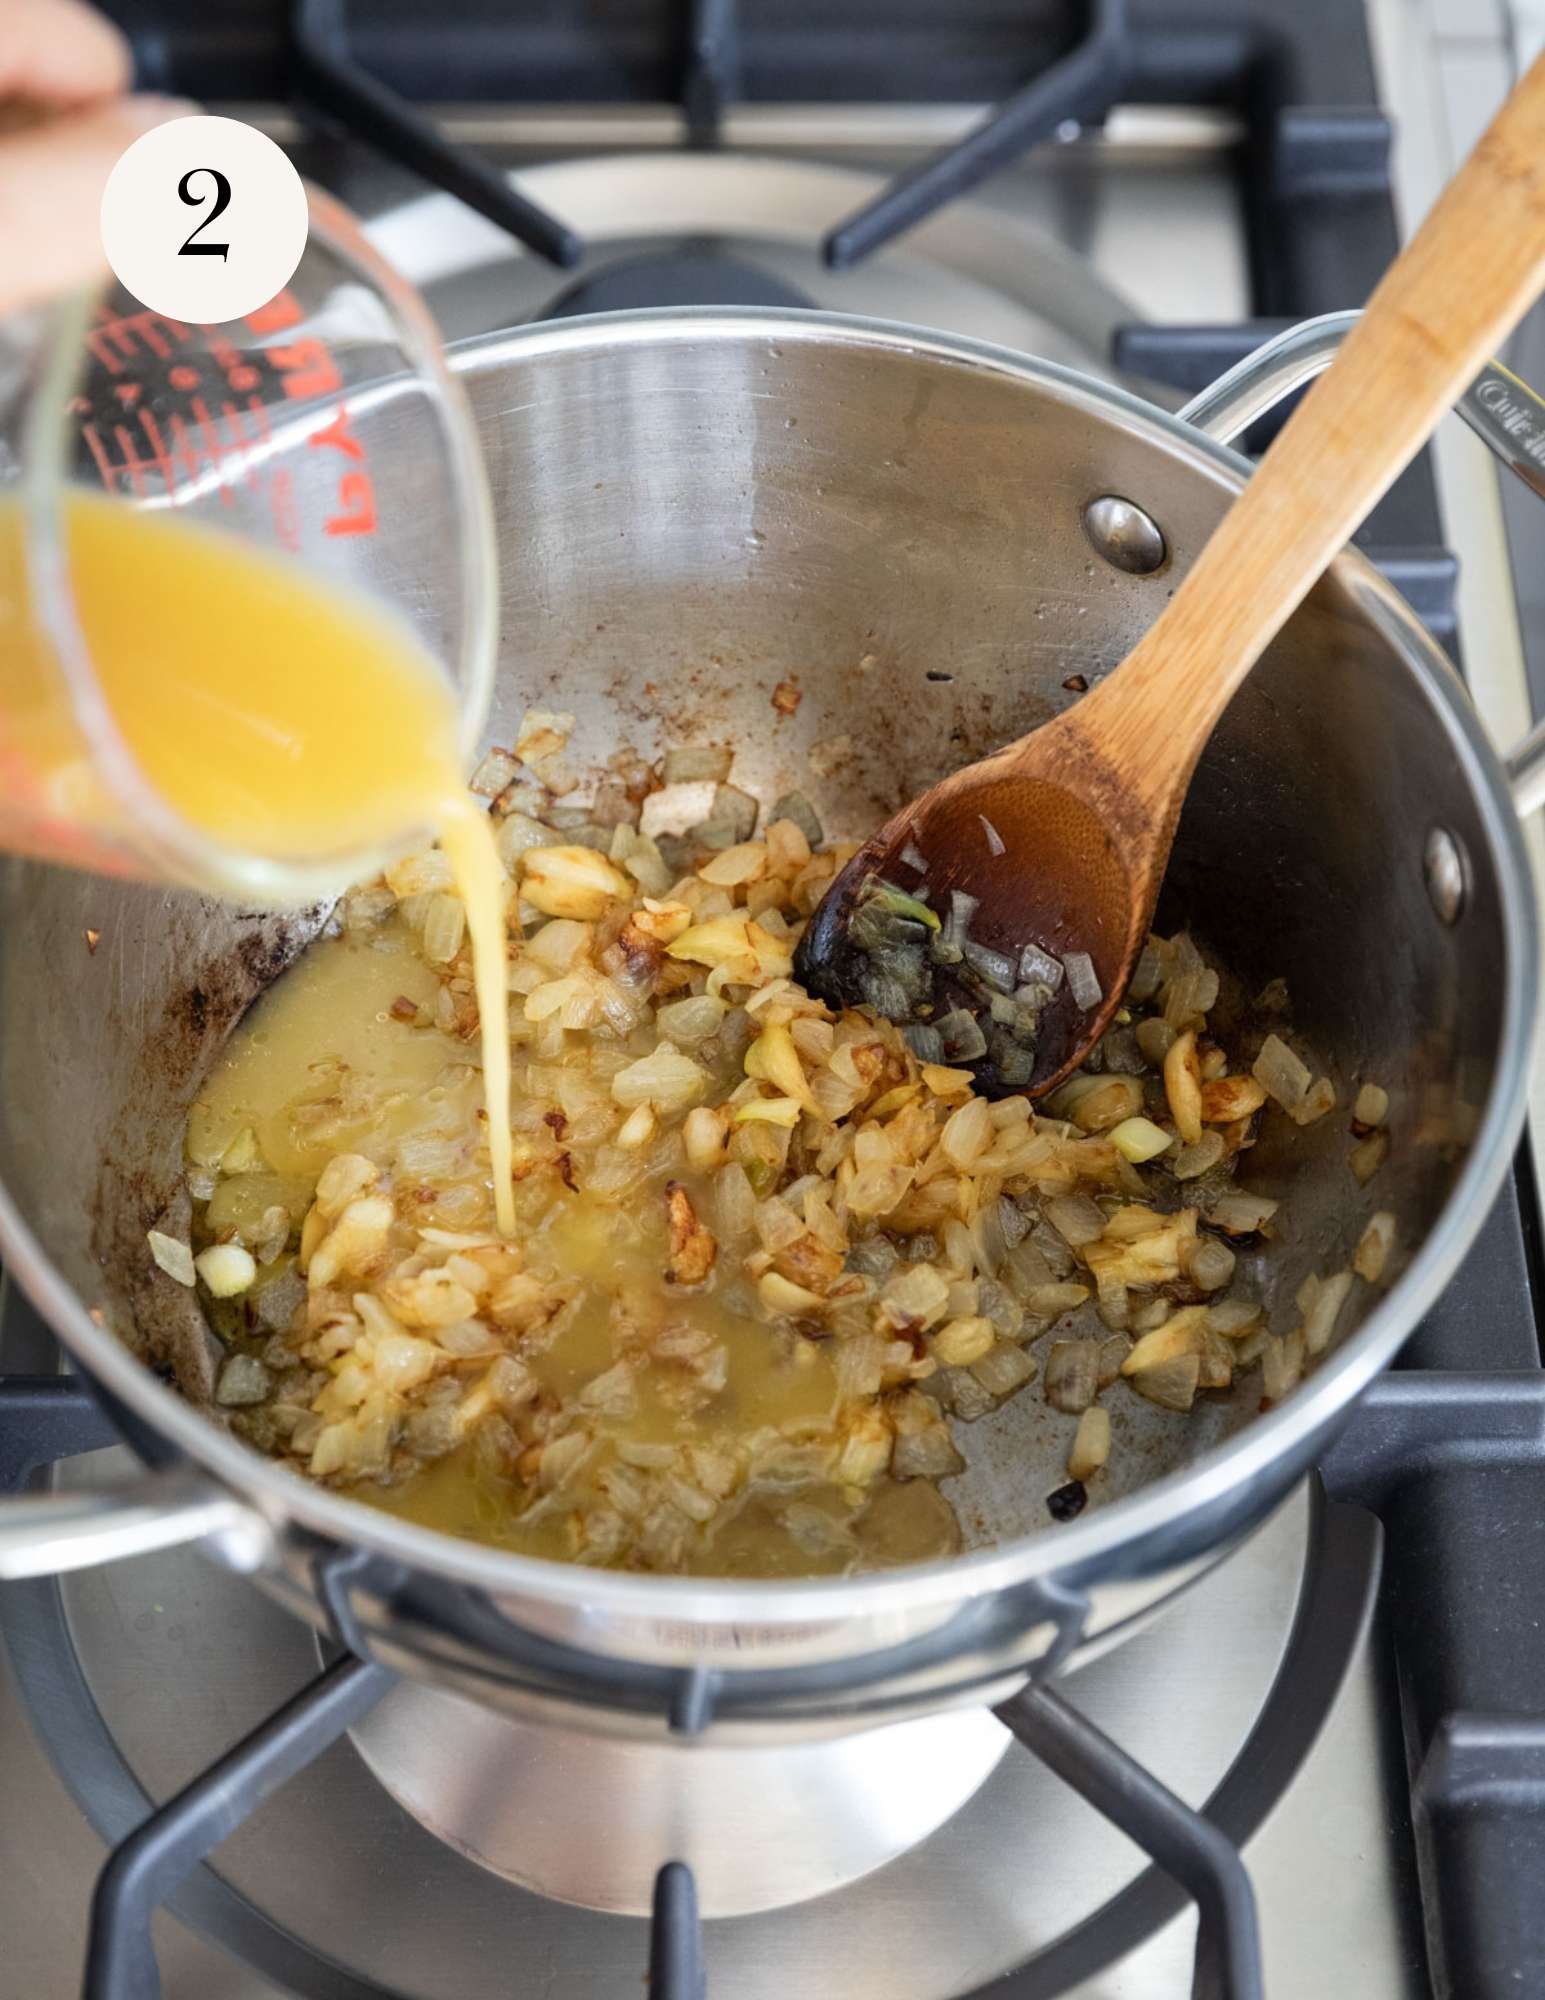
{"x": 204, "y": 219}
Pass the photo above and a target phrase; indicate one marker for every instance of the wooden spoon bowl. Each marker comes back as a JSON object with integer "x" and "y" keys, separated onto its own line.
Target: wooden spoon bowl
{"x": 1063, "y": 837}
{"x": 1059, "y": 879}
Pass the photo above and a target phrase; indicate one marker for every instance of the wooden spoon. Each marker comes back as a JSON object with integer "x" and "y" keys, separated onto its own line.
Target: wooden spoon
{"x": 1063, "y": 836}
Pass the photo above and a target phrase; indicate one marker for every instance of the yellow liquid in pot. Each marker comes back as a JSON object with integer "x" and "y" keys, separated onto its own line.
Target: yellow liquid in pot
{"x": 276, "y": 715}
{"x": 322, "y": 1065}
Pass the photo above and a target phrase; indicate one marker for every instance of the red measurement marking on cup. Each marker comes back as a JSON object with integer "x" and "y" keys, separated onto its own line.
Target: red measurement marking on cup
{"x": 125, "y": 334}
{"x": 196, "y": 441}
{"x": 95, "y": 446}
{"x": 133, "y": 464}
{"x": 356, "y": 494}
{"x": 186, "y": 449}
{"x": 308, "y": 369}
{"x": 358, "y": 498}
{"x": 149, "y": 327}
{"x": 282, "y": 310}
{"x": 238, "y": 375}
{"x": 102, "y": 354}
{"x": 337, "y": 436}
{"x": 163, "y": 457}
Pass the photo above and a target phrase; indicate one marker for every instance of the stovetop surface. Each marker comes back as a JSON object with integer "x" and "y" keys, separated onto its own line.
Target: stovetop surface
{"x": 358, "y": 1900}
{"x": 332, "y": 1890}
{"x": 181, "y": 1659}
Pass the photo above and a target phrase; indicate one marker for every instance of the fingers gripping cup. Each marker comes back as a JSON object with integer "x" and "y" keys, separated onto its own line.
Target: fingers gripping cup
{"x": 269, "y": 534}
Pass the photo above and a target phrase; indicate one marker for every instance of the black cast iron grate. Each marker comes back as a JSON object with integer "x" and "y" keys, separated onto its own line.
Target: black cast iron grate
{"x": 1454, "y": 1463}
{"x": 48, "y": 1418}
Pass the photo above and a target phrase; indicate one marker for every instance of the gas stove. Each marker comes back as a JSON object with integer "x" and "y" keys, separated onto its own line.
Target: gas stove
{"x": 1197, "y": 178}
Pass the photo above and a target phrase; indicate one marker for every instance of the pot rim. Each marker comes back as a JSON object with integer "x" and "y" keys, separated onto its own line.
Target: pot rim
{"x": 1154, "y": 1514}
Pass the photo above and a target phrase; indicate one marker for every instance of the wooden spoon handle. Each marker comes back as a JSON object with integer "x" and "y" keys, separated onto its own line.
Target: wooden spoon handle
{"x": 1468, "y": 275}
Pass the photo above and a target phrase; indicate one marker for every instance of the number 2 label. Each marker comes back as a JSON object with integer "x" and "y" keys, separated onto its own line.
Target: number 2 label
{"x": 203, "y": 219}
{"x": 191, "y": 246}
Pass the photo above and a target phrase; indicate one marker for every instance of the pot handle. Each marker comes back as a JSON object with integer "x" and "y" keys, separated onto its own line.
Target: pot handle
{"x": 1504, "y": 413}
{"x": 45, "y": 1534}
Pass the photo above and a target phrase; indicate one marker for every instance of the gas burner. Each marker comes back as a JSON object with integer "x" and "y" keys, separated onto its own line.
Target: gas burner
{"x": 135, "y": 1680}
{"x": 689, "y": 278}
{"x": 740, "y": 229}
{"x": 135, "y": 1677}
{"x": 588, "y": 1818}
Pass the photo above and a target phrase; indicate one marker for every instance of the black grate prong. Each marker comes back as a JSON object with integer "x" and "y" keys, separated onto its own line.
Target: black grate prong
{"x": 711, "y": 81}
{"x": 324, "y": 78}
{"x": 676, "y": 1970}
{"x": 1081, "y": 87}
{"x": 44, "y": 1418}
{"x": 1184, "y": 1844}
{"x": 143, "y": 1871}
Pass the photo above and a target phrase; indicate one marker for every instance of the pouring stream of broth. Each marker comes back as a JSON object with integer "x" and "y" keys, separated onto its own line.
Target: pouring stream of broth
{"x": 286, "y": 719}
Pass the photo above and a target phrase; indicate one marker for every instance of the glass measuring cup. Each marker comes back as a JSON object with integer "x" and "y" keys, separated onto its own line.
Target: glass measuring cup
{"x": 325, "y": 427}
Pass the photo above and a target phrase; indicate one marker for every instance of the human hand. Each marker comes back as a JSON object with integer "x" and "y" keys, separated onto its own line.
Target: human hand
{"x": 64, "y": 120}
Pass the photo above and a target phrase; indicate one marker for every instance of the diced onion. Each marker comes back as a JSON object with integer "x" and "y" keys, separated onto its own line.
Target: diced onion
{"x": 1233, "y": 1318}
{"x": 1072, "y": 1375}
{"x": 1004, "y": 1368}
{"x": 1374, "y": 1246}
{"x": 1083, "y": 981}
{"x": 1146, "y": 974}
{"x": 1192, "y": 1161}
{"x": 957, "y": 921}
{"x": 174, "y": 1258}
{"x": 996, "y": 967}
{"x": 1039, "y": 968}
{"x": 1139, "y": 1139}
{"x": 1280, "y": 1073}
{"x": 1051, "y": 1301}
{"x": 925, "y": 1041}
{"x": 1241, "y": 1214}
{"x": 1076, "y": 1219}
{"x": 691, "y": 764}
{"x": 226, "y": 1269}
{"x": 1212, "y": 1265}
{"x": 689, "y": 1022}
{"x": 1173, "y": 1384}
{"x": 1320, "y": 1318}
{"x": 796, "y": 807}
{"x": 928, "y": 1454}
{"x": 243, "y": 1380}
{"x": 1091, "y": 1445}
{"x": 666, "y": 1078}
{"x": 962, "y": 1341}
{"x": 962, "y": 1036}
{"x": 1319, "y": 1098}
{"x": 1366, "y": 1158}
{"x": 1282, "y": 1364}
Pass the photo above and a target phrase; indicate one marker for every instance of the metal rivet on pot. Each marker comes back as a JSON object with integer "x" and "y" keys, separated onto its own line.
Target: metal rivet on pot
{"x": 1128, "y": 538}
{"x": 1443, "y": 867}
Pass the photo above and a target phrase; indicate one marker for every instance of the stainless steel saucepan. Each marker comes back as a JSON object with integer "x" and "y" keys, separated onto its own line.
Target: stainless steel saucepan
{"x": 694, "y": 506}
